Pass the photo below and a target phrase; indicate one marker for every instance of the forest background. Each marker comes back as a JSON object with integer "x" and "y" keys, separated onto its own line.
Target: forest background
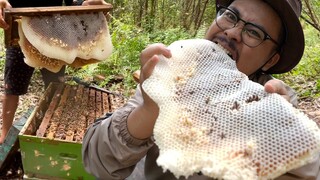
{"x": 134, "y": 24}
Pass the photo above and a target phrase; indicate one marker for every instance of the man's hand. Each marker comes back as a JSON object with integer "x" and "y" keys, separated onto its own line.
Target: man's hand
{"x": 279, "y": 87}
{"x": 4, "y": 4}
{"x": 142, "y": 119}
{"x": 148, "y": 59}
{"x": 93, "y": 2}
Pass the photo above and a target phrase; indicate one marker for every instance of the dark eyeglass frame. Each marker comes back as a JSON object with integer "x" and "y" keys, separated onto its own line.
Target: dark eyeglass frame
{"x": 266, "y": 35}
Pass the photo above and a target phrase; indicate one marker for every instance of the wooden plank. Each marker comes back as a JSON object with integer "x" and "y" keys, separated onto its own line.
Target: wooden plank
{"x": 91, "y": 107}
{"x": 67, "y": 115}
{"x": 105, "y": 103}
{"x": 22, "y": 121}
{"x": 76, "y": 111}
{"x": 8, "y": 32}
{"x": 58, "y": 113}
{"x": 65, "y": 95}
{"x": 53, "y": 104}
{"x": 98, "y": 104}
{"x": 36, "y": 11}
{"x": 51, "y": 131}
{"x": 112, "y": 102}
{"x": 85, "y": 101}
{"x": 79, "y": 136}
{"x": 82, "y": 118}
{"x": 69, "y": 135}
{"x": 36, "y": 116}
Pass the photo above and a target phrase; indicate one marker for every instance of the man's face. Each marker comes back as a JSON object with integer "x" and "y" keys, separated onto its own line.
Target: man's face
{"x": 249, "y": 59}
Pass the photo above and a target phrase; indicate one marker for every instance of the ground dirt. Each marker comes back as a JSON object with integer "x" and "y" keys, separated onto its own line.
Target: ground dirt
{"x": 14, "y": 170}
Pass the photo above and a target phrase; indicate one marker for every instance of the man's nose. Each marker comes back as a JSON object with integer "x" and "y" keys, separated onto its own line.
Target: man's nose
{"x": 235, "y": 32}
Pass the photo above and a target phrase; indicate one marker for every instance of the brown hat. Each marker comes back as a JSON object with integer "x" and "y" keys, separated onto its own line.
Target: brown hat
{"x": 293, "y": 45}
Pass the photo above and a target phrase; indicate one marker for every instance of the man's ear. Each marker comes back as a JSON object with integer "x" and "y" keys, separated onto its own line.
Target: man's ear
{"x": 272, "y": 61}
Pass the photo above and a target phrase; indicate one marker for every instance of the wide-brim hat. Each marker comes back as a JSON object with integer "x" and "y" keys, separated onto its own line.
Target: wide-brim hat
{"x": 293, "y": 46}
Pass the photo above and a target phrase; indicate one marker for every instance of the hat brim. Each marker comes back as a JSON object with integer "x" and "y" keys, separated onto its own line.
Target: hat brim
{"x": 293, "y": 46}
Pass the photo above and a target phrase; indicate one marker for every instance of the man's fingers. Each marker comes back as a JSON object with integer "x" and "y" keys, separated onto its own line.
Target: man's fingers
{"x": 146, "y": 72}
{"x": 153, "y": 49}
{"x": 277, "y": 86}
{"x": 3, "y": 5}
{"x": 148, "y": 68}
{"x": 268, "y": 87}
{"x": 3, "y": 24}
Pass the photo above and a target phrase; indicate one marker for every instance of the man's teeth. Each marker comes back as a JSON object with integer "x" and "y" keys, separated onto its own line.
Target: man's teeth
{"x": 224, "y": 49}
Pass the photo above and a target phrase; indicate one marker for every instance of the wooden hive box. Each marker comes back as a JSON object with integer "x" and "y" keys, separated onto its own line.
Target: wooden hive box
{"x": 51, "y": 139}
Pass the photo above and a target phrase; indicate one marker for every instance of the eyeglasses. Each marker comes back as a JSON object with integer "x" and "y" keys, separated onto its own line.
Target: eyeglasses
{"x": 251, "y": 34}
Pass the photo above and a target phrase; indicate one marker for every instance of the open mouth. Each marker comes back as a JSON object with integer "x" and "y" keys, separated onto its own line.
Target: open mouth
{"x": 224, "y": 49}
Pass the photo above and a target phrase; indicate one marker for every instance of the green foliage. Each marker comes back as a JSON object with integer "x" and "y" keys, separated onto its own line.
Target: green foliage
{"x": 128, "y": 41}
{"x": 2, "y": 50}
{"x": 168, "y": 36}
{"x": 305, "y": 77}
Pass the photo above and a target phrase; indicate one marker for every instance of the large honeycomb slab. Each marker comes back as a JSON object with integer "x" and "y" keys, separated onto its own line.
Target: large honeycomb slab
{"x": 214, "y": 120}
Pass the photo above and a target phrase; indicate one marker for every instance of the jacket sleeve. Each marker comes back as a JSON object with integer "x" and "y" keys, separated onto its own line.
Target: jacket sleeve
{"x": 108, "y": 150}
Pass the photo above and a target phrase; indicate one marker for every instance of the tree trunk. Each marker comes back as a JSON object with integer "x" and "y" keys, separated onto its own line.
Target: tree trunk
{"x": 140, "y": 15}
{"x": 162, "y": 14}
{"x": 312, "y": 17}
{"x": 199, "y": 22}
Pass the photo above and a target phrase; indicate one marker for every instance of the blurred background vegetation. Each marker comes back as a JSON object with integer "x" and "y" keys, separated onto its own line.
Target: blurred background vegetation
{"x": 305, "y": 78}
{"x": 136, "y": 23}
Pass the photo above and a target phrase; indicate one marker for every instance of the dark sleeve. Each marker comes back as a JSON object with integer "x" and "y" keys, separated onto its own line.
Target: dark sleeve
{"x": 68, "y": 2}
